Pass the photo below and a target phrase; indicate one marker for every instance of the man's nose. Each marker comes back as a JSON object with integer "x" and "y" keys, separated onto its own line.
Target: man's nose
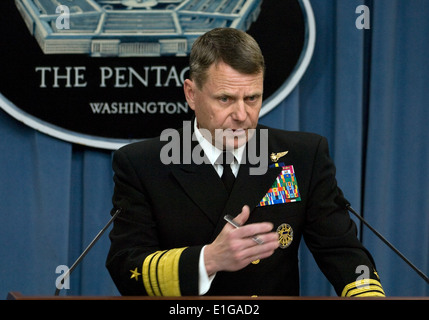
{"x": 239, "y": 112}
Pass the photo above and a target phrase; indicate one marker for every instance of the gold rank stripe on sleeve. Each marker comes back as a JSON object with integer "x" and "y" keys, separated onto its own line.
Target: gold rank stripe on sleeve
{"x": 160, "y": 273}
{"x": 363, "y": 288}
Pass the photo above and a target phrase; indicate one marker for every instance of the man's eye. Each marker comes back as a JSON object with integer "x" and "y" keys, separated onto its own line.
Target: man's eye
{"x": 253, "y": 98}
{"x": 223, "y": 99}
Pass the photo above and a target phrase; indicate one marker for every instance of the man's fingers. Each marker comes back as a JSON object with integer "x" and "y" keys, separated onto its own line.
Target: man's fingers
{"x": 251, "y": 230}
{"x": 268, "y": 241}
{"x": 252, "y": 251}
{"x": 243, "y": 216}
{"x": 254, "y": 230}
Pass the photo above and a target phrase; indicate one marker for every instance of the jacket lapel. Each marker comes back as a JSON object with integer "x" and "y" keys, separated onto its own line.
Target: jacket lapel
{"x": 203, "y": 185}
{"x": 249, "y": 189}
{"x": 200, "y": 181}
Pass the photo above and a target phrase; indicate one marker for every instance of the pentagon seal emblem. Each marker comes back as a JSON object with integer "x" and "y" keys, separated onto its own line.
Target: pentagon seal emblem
{"x": 104, "y": 73}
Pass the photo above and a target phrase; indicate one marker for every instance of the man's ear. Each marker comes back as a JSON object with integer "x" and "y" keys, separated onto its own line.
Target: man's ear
{"x": 189, "y": 88}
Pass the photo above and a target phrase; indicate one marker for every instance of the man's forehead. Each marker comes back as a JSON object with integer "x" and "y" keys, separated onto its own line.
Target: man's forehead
{"x": 221, "y": 66}
{"x": 227, "y": 76}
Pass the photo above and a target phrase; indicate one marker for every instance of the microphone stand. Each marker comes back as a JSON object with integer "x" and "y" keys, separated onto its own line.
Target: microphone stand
{"x": 419, "y": 272}
{"x": 78, "y": 260}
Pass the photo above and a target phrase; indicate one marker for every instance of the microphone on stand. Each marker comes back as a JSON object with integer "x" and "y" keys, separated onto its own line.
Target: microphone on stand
{"x": 78, "y": 260}
{"x": 344, "y": 203}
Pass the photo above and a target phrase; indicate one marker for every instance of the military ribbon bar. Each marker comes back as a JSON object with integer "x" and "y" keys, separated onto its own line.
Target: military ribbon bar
{"x": 284, "y": 189}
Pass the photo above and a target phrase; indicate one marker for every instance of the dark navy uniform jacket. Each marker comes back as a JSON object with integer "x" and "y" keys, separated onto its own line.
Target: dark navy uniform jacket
{"x": 171, "y": 211}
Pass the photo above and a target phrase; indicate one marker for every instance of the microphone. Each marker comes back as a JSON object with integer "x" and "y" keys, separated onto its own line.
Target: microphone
{"x": 78, "y": 260}
{"x": 344, "y": 203}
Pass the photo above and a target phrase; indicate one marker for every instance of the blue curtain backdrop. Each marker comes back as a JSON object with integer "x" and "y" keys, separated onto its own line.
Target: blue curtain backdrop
{"x": 367, "y": 91}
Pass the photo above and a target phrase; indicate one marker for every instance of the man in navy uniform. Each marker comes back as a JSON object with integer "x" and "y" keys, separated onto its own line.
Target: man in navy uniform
{"x": 171, "y": 237}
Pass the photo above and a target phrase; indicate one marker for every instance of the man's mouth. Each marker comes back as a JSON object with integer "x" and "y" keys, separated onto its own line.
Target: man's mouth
{"x": 237, "y": 132}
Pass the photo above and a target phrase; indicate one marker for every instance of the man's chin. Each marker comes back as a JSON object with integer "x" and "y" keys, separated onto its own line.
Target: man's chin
{"x": 232, "y": 139}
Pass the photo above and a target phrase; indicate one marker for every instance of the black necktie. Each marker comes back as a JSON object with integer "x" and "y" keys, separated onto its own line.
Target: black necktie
{"x": 228, "y": 177}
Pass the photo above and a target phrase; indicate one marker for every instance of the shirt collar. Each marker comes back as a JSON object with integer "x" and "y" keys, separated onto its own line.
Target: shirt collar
{"x": 211, "y": 151}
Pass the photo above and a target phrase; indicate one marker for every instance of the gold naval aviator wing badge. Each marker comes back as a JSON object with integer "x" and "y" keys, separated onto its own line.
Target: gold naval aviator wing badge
{"x": 276, "y": 156}
{"x": 285, "y": 233}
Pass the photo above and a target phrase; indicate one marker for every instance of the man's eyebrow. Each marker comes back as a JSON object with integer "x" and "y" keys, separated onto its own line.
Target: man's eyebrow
{"x": 224, "y": 94}
{"x": 233, "y": 96}
{"x": 255, "y": 94}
